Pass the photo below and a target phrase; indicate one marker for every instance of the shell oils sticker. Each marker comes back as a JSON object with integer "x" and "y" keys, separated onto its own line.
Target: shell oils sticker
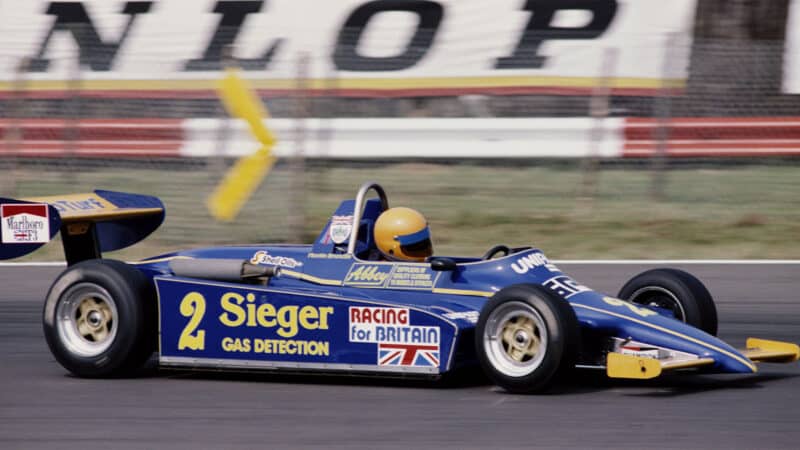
{"x": 25, "y": 223}
{"x": 398, "y": 342}
{"x": 263, "y": 257}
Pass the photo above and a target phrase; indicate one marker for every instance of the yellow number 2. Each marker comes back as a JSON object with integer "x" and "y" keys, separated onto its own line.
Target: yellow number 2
{"x": 644, "y": 312}
{"x": 193, "y": 305}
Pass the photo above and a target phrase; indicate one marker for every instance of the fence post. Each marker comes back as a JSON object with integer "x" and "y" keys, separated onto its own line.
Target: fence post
{"x": 599, "y": 109}
{"x": 297, "y": 161}
{"x": 658, "y": 164}
{"x": 318, "y": 171}
{"x": 13, "y": 137}
{"x": 216, "y": 164}
{"x": 72, "y": 119}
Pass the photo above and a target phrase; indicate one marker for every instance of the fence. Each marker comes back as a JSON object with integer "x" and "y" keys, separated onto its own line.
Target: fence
{"x": 702, "y": 168}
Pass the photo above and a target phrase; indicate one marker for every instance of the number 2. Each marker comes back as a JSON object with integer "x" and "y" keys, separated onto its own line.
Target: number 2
{"x": 644, "y": 312}
{"x": 193, "y": 305}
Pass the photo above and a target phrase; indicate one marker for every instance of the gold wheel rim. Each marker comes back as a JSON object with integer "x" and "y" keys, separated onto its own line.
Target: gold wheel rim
{"x": 86, "y": 319}
{"x": 515, "y": 339}
{"x": 521, "y": 338}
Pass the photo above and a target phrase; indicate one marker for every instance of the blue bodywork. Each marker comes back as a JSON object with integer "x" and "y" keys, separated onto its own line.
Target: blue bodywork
{"x": 334, "y": 305}
{"x": 329, "y": 310}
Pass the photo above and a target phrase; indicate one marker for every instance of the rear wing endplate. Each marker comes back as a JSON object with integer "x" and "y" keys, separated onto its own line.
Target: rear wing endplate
{"x": 90, "y": 223}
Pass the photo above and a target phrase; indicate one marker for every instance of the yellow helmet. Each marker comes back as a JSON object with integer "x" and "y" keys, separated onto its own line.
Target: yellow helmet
{"x": 402, "y": 234}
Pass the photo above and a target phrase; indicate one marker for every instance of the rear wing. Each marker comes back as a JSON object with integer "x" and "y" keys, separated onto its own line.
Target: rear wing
{"x": 90, "y": 223}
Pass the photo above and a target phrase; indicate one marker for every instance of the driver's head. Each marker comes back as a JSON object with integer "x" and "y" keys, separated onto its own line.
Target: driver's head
{"x": 402, "y": 234}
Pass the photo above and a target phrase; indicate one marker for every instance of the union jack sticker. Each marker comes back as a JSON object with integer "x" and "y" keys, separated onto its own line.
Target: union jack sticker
{"x": 408, "y": 355}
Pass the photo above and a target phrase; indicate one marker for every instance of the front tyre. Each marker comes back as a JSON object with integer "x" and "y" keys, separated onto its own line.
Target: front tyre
{"x": 525, "y": 337}
{"x": 100, "y": 319}
{"x": 676, "y": 291}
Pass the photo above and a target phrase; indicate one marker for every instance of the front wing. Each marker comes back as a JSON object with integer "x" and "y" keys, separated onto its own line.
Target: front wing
{"x": 619, "y": 365}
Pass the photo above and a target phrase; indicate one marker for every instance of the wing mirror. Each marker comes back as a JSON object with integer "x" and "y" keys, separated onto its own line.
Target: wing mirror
{"x": 443, "y": 264}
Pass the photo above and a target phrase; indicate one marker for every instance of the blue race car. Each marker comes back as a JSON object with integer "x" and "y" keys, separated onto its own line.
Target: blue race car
{"x": 338, "y": 305}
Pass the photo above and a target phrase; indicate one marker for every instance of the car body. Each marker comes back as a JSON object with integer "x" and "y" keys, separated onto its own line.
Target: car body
{"x": 331, "y": 307}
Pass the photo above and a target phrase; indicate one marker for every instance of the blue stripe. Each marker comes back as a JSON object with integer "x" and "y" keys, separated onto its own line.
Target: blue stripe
{"x": 413, "y": 238}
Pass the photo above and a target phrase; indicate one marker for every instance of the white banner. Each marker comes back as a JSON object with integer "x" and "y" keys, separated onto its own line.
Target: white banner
{"x": 418, "y": 46}
{"x": 791, "y": 52}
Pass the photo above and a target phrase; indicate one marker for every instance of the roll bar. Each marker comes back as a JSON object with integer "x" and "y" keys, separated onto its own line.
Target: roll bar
{"x": 358, "y": 210}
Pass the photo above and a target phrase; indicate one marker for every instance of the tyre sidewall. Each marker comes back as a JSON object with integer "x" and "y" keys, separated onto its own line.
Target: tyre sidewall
{"x": 693, "y": 296}
{"x": 134, "y": 339}
{"x": 562, "y": 338}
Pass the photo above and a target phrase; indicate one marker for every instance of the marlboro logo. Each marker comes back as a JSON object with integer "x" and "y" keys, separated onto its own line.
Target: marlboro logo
{"x": 25, "y": 223}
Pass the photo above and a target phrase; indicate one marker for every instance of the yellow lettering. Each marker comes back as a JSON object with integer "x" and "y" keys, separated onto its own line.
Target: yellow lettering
{"x": 230, "y": 302}
{"x": 227, "y": 344}
{"x": 193, "y": 305}
{"x": 356, "y": 274}
{"x": 230, "y": 344}
{"x": 287, "y": 319}
{"x": 324, "y": 312}
{"x": 644, "y": 312}
{"x": 266, "y": 314}
{"x": 251, "y": 311}
{"x": 308, "y": 316}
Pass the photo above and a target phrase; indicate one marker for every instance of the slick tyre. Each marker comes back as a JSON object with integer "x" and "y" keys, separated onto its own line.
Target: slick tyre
{"x": 525, "y": 337}
{"x": 676, "y": 291}
{"x": 100, "y": 319}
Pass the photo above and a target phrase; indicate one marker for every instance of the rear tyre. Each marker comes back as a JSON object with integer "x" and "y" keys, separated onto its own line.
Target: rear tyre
{"x": 525, "y": 337}
{"x": 100, "y": 319}
{"x": 676, "y": 291}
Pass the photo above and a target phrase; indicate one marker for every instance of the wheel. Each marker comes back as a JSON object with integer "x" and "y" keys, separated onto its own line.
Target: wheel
{"x": 525, "y": 337}
{"x": 502, "y": 249}
{"x": 677, "y": 292}
{"x": 100, "y": 319}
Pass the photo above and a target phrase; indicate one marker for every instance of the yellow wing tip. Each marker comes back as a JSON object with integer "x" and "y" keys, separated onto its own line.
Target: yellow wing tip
{"x": 774, "y": 351}
{"x": 632, "y": 367}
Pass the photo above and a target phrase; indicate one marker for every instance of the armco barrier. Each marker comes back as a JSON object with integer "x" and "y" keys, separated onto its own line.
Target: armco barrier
{"x": 323, "y": 138}
{"x": 99, "y": 138}
{"x": 406, "y": 138}
{"x": 714, "y": 137}
{"x": 415, "y": 138}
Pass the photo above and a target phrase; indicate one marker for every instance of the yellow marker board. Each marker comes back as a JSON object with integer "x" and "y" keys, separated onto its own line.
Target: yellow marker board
{"x": 247, "y": 173}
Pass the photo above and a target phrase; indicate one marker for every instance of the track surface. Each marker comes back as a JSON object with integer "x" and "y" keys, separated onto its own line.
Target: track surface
{"x": 41, "y": 406}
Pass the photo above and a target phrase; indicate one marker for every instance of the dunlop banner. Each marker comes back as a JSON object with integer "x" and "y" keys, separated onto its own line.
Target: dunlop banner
{"x": 174, "y": 48}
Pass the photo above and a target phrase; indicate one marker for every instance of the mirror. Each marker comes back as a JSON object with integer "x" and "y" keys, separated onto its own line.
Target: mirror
{"x": 443, "y": 264}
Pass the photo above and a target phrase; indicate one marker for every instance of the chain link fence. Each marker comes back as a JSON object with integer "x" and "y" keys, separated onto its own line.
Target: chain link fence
{"x": 595, "y": 207}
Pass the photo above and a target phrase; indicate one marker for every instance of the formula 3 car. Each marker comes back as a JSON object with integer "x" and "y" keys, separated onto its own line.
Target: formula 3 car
{"x": 326, "y": 307}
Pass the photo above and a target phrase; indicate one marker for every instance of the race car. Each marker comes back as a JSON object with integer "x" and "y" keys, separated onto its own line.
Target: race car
{"x": 332, "y": 307}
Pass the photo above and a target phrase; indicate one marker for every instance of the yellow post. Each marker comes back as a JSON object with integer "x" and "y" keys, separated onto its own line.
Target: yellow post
{"x": 246, "y": 174}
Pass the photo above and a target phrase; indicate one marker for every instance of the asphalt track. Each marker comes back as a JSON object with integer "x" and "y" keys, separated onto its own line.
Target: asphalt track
{"x": 41, "y": 406}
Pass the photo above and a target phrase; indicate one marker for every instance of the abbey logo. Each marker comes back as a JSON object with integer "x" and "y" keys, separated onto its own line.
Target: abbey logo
{"x": 25, "y": 223}
{"x": 367, "y": 274}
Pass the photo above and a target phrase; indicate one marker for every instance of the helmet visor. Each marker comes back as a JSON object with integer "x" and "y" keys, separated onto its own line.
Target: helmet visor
{"x": 417, "y": 244}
